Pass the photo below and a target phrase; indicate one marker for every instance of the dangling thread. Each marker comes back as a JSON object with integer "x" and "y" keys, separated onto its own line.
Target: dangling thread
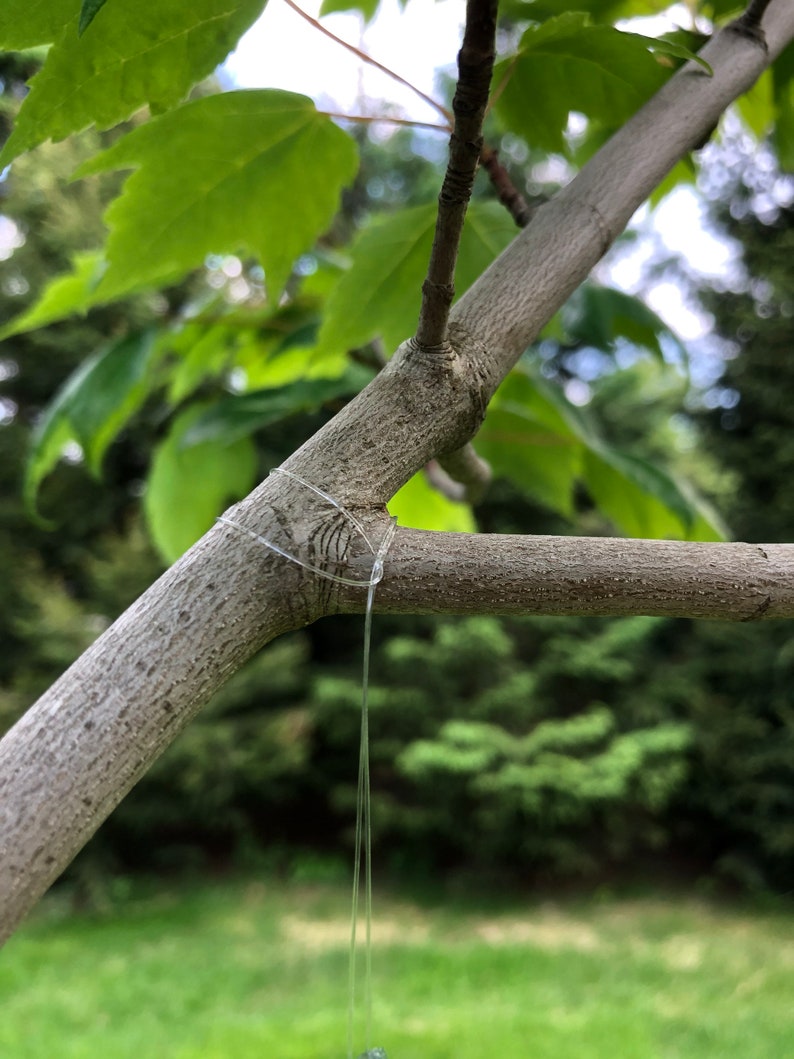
{"x": 363, "y": 836}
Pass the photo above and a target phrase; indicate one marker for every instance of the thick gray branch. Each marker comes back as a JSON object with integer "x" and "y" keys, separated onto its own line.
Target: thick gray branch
{"x": 88, "y": 739}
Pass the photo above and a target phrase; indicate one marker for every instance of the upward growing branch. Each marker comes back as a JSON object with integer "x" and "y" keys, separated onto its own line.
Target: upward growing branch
{"x": 475, "y": 67}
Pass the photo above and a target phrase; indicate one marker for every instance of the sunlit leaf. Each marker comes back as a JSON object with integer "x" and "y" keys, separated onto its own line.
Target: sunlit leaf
{"x": 683, "y": 172}
{"x": 567, "y": 64}
{"x": 63, "y": 296}
{"x": 201, "y": 352}
{"x": 188, "y": 487}
{"x": 381, "y": 292}
{"x": 757, "y": 106}
{"x": 24, "y": 24}
{"x": 236, "y": 172}
{"x": 420, "y": 506}
{"x": 151, "y": 52}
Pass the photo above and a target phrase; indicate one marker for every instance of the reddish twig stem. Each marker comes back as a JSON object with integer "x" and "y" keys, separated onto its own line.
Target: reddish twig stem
{"x": 475, "y": 68}
{"x": 372, "y": 62}
{"x": 376, "y": 119}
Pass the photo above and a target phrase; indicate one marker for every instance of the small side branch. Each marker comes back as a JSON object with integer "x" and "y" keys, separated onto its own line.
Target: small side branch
{"x": 368, "y": 59}
{"x": 507, "y": 193}
{"x": 461, "y": 476}
{"x": 749, "y": 23}
{"x": 475, "y": 68}
{"x": 754, "y": 12}
{"x": 459, "y": 573}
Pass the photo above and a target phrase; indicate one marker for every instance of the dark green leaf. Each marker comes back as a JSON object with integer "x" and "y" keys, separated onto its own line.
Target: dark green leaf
{"x": 527, "y": 439}
{"x": 92, "y": 406}
{"x": 722, "y": 8}
{"x": 233, "y": 173}
{"x": 88, "y": 12}
{"x": 111, "y": 393}
{"x": 188, "y": 486}
{"x": 536, "y": 438}
{"x": 379, "y": 296}
{"x": 567, "y": 64}
{"x": 234, "y": 417}
{"x": 642, "y": 500}
{"x": 151, "y": 52}
{"x": 597, "y": 316}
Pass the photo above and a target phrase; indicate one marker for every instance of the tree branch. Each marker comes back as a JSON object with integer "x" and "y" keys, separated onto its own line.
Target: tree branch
{"x": 471, "y": 472}
{"x": 77, "y": 752}
{"x": 750, "y": 21}
{"x": 459, "y": 573}
{"x": 506, "y": 191}
{"x": 475, "y": 68}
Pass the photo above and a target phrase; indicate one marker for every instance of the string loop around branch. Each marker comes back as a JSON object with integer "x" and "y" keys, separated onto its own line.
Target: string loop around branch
{"x": 379, "y": 553}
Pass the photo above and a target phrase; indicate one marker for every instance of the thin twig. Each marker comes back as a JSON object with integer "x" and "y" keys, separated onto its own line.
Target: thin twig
{"x": 749, "y": 23}
{"x": 475, "y": 68}
{"x": 383, "y": 118}
{"x": 507, "y": 193}
{"x": 754, "y": 12}
{"x": 468, "y": 471}
{"x": 371, "y": 62}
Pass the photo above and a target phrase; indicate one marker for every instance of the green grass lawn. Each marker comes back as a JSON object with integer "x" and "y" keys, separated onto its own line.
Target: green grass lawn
{"x": 259, "y": 969}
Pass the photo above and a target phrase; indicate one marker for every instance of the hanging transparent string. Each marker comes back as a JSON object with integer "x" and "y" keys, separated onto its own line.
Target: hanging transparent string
{"x": 363, "y": 836}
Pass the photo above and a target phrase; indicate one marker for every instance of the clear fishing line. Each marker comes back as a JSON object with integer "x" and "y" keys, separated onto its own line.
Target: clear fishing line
{"x": 363, "y": 833}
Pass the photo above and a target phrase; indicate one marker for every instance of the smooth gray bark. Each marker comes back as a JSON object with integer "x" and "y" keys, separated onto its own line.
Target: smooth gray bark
{"x": 78, "y": 751}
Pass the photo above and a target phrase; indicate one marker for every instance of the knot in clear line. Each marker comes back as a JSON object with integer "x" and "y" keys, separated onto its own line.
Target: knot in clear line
{"x": 379, "y": 553}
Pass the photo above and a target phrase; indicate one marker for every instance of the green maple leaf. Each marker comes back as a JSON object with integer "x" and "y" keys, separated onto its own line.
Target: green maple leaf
{"x": 26, "y": 23}
{"x": 380, "y": 294}
{"x": 71, "y": 292}
{"x": 188, "y": 486}
{"x": 92, "y": 406}
{"x": 244, "y": 172}
{"x": 151, "y": 52}
{"x": 567, "y": 64}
